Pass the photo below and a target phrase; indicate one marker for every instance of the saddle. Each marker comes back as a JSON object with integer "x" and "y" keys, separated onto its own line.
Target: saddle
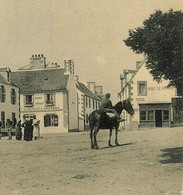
{"x": 111, "y": 115}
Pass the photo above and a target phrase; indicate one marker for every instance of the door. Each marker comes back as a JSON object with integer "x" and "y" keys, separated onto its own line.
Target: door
{"x": 158, "y": 118}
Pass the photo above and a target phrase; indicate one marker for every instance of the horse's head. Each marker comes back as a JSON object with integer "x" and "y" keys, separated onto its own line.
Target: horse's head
{"x": 125, "y": 104}
{"x": 128, "y": 106}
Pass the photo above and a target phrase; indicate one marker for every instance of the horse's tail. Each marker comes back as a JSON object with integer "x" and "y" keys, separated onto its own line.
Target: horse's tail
{"x": 93, "y": 119}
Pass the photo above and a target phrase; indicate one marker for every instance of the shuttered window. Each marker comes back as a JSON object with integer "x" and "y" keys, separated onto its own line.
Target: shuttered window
{"x": 50, "y": 120}
{"x": 13, "y": 96}
{"x": 2, "y": 94}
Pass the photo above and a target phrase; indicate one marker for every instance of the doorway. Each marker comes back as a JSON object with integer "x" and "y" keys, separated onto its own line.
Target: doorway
{"x": 158, "y": 118}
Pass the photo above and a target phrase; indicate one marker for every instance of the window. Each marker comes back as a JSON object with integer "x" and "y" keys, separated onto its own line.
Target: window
{"x": 89, "y": 103}
{"x": 86, "y": 102}
{"x": 2, "y": 94}
{"x": 13, "y": 96}
{"x": 93, "y": 104}
{"x": 49, "y": 99}
{"x": 150, "y": 115}
{"x": 50, "y": 120}
{"x": 143, "y": 115}
{"x": 3, "y": 119}
{"x": 28, "y": 100}
{"x": 142, "y": 88}
{"x": 165, "y": 115}
{"x": 96, "y": 105}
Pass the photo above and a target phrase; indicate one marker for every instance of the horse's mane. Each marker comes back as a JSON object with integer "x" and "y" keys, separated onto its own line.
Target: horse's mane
{"x": 118, "y": 107}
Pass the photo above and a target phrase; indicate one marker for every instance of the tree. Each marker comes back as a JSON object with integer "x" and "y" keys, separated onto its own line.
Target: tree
{"x": 161, "y": 40}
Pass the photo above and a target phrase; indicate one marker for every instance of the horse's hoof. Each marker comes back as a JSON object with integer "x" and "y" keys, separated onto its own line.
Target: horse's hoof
{"x": 110, "y": 145}
{"x": 117, "y": 144}
{"x": 96, "y": 147}
{"x": 92, "y": 147}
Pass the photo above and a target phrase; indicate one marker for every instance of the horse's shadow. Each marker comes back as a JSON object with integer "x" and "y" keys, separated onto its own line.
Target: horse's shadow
{"x": 114, "y": 146}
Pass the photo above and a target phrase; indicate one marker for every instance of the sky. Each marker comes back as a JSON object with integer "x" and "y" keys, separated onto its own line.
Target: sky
{"x": 90, "y": 32}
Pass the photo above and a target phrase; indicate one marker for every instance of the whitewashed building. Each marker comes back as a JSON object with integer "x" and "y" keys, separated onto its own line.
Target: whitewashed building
{"x": 87, "y": 102}
{"x": 9, "y": 99}
{"x": 151, "y": 100}
{"x": 48, "y": 93}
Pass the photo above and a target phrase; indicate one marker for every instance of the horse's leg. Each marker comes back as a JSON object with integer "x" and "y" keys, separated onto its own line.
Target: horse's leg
{"x": 116, "y": 137}
{"x": 95, "y": 137}
{"x": 109, "y": 142}
{"x": 91, "y": 137}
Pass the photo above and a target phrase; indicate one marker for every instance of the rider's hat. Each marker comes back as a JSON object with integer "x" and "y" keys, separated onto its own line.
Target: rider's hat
{"x": 107, "y": 94}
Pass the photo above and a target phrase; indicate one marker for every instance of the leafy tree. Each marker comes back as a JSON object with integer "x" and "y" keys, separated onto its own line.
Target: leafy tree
{"x": 161, "y": 40}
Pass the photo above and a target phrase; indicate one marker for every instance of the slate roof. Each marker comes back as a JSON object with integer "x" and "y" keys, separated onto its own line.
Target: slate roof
{"x": 86, "y": 91}
{"x": 4, "y": 81}
{"x": 40, "y": 80}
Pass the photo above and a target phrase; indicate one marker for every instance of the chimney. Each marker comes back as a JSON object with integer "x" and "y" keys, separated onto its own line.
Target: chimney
{"x": 38, "y": 61}
{"x": 91, "y": 86}
{"x": 5, "y": 72}
{"x": 69, "y": 67}
{"x": 138, "y": 64}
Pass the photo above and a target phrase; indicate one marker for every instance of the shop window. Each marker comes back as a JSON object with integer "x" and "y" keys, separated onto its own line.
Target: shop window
{"x": 150, "y": 115}
{"x": 3, "y": 119}
{"x": 142, "y": 88}
{"x": 143, "y": 115}
{"x": 166, "y": 115}
{"x": 13, "y": 96}
{"x": 2, "y": 94}
{"x": 49, "y": 99}
{"x": 28, "y": 100}
{"x": 50, "y": 120}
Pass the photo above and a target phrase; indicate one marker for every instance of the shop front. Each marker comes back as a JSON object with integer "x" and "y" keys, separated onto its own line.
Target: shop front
{"x": 155, "y": 115}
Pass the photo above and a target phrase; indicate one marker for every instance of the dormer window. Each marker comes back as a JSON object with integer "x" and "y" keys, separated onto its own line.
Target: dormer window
{"x": 49, "y": 99}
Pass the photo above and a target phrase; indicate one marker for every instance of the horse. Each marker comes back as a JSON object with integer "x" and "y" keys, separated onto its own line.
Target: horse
{"x": 100, "y": 120}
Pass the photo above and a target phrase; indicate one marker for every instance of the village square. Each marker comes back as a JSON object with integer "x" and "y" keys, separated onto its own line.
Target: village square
{"x": 91, "y": 97}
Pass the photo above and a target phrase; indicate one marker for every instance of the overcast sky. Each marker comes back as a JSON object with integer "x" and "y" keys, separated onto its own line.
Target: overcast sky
{"x": 91, "y": 32}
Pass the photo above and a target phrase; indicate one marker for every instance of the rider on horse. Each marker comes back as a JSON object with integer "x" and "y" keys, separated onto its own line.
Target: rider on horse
{"x": 106, "y": 106}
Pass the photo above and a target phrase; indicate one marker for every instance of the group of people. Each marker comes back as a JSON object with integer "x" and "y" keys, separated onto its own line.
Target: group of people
{"x": 29, "y": 126}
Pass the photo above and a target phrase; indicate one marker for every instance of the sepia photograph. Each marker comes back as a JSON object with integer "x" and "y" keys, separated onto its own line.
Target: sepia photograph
{"x": 91, "y": 97}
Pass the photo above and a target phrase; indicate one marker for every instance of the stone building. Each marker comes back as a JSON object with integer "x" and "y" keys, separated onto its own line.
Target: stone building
{"x": 9, "y": 99}
{"x": 152, "y": 101}
{"x": 48, "y": 93}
